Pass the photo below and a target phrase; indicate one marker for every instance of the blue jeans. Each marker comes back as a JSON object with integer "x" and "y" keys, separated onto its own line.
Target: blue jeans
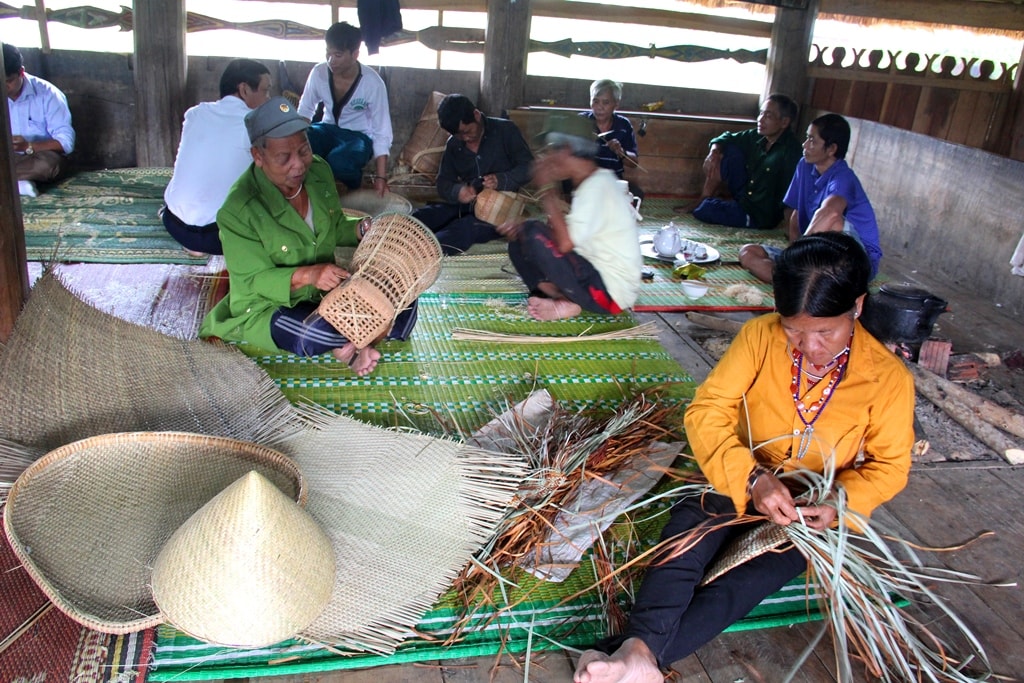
{"x": 346, "y": 151}
{"x": 727, "y": 211}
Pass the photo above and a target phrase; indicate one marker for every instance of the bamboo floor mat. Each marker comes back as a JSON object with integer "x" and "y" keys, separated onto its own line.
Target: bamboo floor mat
{"x": 440, "y": 385}
{"x": 168, "y": 298}
{"x": 105, "y": 216}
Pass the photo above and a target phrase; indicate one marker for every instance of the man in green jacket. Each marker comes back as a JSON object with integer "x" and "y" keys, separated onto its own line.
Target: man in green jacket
{"x": 755, "y": 166}
{"x": 279, "y": 226}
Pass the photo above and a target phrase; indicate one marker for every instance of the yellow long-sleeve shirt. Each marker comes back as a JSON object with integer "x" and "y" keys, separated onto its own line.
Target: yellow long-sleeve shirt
{"x": 871, "y": 411}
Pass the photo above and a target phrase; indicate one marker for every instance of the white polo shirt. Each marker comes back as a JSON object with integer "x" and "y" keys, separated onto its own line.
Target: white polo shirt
{"x": 213, "y": 152}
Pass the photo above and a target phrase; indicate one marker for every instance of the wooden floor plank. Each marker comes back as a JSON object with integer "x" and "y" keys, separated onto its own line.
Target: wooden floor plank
{"x": 762, "y": 655}
{"x": 544, "y": 667}
{"x": 944, "y": 506}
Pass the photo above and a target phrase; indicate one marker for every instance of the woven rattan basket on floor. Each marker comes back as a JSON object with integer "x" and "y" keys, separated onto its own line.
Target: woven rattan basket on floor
{"x": 88, "y": 519}
{"x": 497, "y": 207}
{"x": 396, "y": 261}
{"x": 370, "y": 204}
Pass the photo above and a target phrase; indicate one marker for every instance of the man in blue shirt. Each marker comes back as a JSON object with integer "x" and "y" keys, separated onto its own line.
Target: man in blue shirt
{"x": 41, "y": 130}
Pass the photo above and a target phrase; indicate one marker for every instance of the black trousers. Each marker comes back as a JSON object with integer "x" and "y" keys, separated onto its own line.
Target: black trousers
{"x": 456, "y": 227}
{"x": 673, "y": 614}
{"x": 537, "y": 259}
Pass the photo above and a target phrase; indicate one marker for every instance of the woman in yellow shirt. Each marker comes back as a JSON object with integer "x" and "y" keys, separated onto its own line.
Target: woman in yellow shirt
{"x": 809, "y": 373}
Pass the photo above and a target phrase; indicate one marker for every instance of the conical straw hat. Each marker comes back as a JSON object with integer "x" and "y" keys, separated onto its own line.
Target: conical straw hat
{"x": 249, "y": 569}
{"x": 88, "y": 519}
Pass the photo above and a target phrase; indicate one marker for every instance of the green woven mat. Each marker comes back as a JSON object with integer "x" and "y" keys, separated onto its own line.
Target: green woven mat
{"x": 463, "y": 384}
{"x": 102, "y": 217}
{"x": 535, "y": 616}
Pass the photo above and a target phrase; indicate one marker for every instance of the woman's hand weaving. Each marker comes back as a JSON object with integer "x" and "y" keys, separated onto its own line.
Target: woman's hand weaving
{"x": 772, "y": 499}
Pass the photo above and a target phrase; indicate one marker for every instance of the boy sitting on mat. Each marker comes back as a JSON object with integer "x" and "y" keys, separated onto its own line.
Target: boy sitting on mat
{"x": 586, "y": 260}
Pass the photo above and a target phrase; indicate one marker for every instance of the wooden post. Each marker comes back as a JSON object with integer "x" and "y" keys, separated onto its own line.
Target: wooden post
{"x": 44, "y": 34}
{"x": 160, "y": 73}
{"x": 13, "y": 269}
{"x": 786, "y": 71}
{"x": 1014, "y": 127}
{"x": 503, "y": 79}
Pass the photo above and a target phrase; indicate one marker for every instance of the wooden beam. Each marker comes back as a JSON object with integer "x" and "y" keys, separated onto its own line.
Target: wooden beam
{"x": 592, "y": 11}
{"x": 44, "y": 34}
{"x": 13, "y": 268}
{"x": 787, "y": 70}
{"x": 503, "y": 79}
{"x": 636, "y": 15}
{"x": 1006, "y": 16}
{"x": 160, "y": 73}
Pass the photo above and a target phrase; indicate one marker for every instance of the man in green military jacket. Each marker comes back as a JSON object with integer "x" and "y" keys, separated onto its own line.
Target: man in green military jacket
{"x": 755, "y": 166}
{"x": 279, "y": 226}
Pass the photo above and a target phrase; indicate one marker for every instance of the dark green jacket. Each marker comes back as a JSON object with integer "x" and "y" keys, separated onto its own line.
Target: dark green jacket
{"x": 264, "y": 241}
{"x": 769, "y": 173}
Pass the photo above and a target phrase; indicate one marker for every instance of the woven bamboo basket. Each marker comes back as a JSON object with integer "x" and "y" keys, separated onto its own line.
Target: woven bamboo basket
{"x": 368, "y": 203}
{"x": 498, "y": 206}
{"x": 88, "y": 519}
{"x": 761, "y": 539}
{"x": 396, "y": 261}
{"x": 422, "y": 153}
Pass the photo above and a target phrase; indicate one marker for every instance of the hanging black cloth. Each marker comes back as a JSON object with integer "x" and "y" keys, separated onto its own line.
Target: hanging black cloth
{"x": 378, "y": 19}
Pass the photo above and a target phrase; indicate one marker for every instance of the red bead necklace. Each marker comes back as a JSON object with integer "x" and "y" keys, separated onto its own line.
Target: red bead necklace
{"x": 810, "y": 414}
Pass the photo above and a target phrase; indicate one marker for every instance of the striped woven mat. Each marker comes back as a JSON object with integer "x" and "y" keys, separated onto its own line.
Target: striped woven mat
{"x": 55, "y": 648}
{"x": 102, "y": 217}
{"x": 439, "y": 385}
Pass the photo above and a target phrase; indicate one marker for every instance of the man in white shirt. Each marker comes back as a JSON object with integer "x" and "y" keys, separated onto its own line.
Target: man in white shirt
{"x": 356, "y": 123}
{"x": 41, "y": 130}
{"x": 213, "y": 152}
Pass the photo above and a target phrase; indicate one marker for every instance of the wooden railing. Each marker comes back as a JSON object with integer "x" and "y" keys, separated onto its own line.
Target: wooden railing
{"x": 966, "y": 101}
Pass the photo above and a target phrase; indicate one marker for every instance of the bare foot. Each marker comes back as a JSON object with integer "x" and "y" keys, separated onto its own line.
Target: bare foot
{"x": 540, "y": 308}
{"x": 633, "y": 662}
{"x": 346, "y": 353}
{"x": 365, "y": 361}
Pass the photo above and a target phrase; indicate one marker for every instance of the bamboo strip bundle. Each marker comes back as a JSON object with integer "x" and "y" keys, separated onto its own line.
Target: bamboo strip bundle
{"x": 647, "y": 331}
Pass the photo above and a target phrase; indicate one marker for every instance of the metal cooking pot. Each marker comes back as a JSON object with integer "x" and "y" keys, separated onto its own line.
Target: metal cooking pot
{"x": 901, "y": 313}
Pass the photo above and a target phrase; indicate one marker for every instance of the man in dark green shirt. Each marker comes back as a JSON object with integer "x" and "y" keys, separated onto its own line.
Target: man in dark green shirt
{"x": 755, "y": 166}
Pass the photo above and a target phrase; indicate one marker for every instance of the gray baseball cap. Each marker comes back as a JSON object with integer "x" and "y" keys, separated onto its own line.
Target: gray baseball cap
{"x": 275, "y": 118}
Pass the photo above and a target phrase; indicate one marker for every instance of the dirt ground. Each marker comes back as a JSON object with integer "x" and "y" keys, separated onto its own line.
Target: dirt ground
{"x": 947, "y": 441}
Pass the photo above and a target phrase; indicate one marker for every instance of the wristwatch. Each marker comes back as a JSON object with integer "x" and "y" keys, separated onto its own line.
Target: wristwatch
{"x": 30, "y": 150}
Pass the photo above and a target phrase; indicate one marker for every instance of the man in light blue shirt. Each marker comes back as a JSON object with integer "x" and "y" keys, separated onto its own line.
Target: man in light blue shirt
{"x": 41, "y": 129}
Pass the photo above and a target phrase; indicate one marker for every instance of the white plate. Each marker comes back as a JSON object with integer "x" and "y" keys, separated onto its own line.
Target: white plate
{"x": 647, "y": 249}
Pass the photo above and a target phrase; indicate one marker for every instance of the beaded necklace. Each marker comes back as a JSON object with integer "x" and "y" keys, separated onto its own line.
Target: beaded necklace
{"x": 815, "y": 410}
